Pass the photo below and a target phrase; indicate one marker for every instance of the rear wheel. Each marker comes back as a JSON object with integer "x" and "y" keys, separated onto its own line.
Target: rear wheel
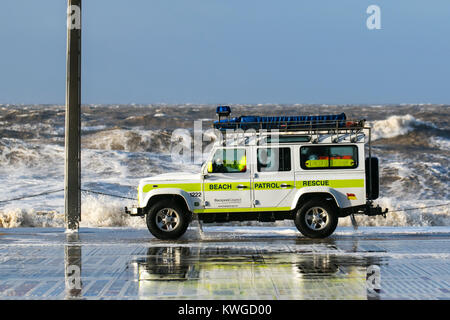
{"x": 167, "y": 220}
{"x": 316, "y": 219}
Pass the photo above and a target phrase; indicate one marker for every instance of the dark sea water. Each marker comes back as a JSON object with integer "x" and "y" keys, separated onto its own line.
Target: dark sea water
{"x": 124, "y": 143}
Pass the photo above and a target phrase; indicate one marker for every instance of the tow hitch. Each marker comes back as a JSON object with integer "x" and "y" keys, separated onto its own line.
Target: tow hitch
{"x": 375, "y": 211}
{"x": 367, "y": 209}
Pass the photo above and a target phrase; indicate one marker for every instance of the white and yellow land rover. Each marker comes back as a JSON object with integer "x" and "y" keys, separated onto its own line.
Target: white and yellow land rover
{"x": 311, "y": 169}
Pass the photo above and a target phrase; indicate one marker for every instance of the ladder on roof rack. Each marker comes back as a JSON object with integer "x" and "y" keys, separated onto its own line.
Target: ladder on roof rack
{"x": 284, "y": 123}
{"x": 293, "y": 126}
{"x": 307, "y": 125}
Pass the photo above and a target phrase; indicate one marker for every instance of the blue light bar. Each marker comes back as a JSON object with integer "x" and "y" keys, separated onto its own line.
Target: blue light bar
{"x": 223, "y": 111}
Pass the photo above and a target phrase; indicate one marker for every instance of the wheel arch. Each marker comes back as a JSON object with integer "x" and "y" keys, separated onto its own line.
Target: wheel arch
{"x": 178, "y": 196}
{"x": 327, "y": 194}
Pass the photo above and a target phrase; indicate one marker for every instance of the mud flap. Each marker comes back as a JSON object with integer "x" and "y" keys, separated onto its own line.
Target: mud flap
{"x": 354, "y": 222}
{"x": 199, "y": 224}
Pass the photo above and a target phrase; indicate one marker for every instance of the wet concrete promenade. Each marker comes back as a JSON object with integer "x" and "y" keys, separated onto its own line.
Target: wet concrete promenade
{"x": 225, "y": 263}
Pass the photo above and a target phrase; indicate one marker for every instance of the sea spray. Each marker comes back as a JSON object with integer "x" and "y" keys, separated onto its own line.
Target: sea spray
{"x": 15, "y": 217}
{"x": 102, "y": 211}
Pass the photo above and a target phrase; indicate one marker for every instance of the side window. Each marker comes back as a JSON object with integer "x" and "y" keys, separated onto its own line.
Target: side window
{"x": 229, "y": 161}
{"x": 328, "y": 157}
{"x": 274, "y": 159}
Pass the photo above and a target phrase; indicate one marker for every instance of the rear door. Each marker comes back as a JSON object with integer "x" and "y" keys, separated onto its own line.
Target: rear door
{"x": 273, "y": 182}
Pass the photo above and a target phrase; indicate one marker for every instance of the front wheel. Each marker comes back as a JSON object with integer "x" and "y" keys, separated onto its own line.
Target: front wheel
{"x": 316, "y": 219}
{"x": 167, "y": 220}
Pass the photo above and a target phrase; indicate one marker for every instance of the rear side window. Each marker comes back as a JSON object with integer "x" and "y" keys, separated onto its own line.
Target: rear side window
{"x": 274, "y": 159}
{"x": 328, "y": 157}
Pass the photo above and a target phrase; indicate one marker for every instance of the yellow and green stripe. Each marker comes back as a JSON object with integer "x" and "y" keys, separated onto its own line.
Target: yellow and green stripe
{"x": 219, "y": 210}
{"x": 189, "y": 187}
{"x": 341, "y": 183}
{"x": 260, "y": 185}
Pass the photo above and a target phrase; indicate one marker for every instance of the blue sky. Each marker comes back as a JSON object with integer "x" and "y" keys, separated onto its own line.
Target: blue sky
{"x": 229, "y": 51}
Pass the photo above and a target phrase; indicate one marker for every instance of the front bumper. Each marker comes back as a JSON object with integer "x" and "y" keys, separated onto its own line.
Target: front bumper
{"x": 134, "y": 211}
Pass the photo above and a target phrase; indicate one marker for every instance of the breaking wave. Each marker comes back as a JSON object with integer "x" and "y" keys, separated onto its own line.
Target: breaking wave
{"x": 128, "y": 140}
{"x": 18, "y": 153}
{"x": 397, "y": 125}
{"x": 16, "y": 217}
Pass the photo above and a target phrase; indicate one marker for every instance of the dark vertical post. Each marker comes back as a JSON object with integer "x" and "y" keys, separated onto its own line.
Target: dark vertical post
{"x": 72, "y": 193}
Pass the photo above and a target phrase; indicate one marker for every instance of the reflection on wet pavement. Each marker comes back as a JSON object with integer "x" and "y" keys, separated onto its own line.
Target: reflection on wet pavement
{"x": 230, "y": 273}
{"x": 130, "y": 264}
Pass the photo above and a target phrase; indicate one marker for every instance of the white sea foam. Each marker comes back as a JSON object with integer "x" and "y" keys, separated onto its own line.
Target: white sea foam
{"x": 96, "y": 211}
{"x": 16, "y": 217}
{"x": 93, "y": 128}
{"x": 441, "y": 143}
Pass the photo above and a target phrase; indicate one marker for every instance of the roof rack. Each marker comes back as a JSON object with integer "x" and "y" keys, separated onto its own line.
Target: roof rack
{"x": 311, "y": 124}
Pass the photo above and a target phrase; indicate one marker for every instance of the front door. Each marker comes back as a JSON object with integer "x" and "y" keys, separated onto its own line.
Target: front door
{"x": 227, "y": 184}
{"x": 273, "y": 182}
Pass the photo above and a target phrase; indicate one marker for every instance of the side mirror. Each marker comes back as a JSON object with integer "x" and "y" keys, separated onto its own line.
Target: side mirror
{"x": 209, "y": 167}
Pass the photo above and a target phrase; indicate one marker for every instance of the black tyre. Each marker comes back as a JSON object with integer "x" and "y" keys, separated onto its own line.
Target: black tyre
{"x": 316, "y": 219}
{"x": 167, "y": 220}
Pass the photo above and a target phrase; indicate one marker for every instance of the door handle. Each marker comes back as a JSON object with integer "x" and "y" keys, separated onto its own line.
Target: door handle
{"x": 241, "y": 186}
{"x": 285, "y": 185}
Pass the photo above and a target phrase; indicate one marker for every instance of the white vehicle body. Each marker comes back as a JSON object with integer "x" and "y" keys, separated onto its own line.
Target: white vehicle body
{"x": 263, "y": 191}
{"x": 268, "y": 177}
